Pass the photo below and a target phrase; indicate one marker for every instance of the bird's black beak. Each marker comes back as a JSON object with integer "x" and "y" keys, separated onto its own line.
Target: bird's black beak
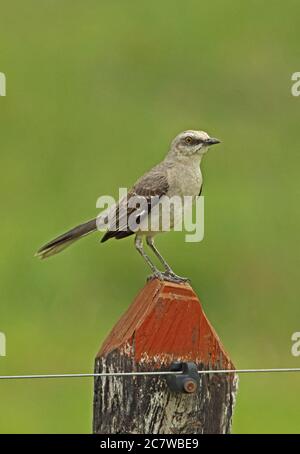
{"x": 212, "y": 141}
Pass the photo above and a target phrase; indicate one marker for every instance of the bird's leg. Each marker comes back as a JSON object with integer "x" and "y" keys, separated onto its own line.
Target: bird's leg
{"x": 150, "y": 242}
{"x": 169, "y": 274}
{"x": 139, "y": 247}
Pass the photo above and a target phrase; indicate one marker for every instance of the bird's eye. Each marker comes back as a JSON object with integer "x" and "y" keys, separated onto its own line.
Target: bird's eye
{"x": 188, "y": 140}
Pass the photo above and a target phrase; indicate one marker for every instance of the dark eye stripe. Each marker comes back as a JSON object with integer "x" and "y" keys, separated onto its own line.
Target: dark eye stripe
{"x": 198, "y": 141}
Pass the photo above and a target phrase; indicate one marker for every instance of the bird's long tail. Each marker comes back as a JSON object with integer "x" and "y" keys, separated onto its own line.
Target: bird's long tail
{"x": 66, "y": 239}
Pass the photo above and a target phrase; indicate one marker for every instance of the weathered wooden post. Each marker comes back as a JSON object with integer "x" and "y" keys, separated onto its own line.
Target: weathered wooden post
{"x": 165, "y": 323}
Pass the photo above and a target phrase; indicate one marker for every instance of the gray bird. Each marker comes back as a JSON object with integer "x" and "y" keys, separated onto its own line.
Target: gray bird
{"x": 178, "y": 175}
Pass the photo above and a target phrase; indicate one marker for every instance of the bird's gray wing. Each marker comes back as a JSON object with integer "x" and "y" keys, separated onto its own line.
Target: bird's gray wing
{"x": 148, "y": 190}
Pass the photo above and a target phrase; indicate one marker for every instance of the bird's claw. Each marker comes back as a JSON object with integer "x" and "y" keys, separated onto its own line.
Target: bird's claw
{"x": 170, "y": 277}
{"x": 156, "y": 275}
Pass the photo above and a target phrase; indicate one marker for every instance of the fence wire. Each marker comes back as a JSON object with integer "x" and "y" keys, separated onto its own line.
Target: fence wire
{"x": 148, "y": 373}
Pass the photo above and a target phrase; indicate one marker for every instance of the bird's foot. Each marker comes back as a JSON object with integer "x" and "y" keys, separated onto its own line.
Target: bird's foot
{"x": 168, "y": 276}
{"x": 172, "y": 277}
{"x": 157, "y": 275}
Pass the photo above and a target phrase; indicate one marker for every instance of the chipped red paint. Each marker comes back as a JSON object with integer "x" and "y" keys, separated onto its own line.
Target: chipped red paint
{"x": 165, "y": 323}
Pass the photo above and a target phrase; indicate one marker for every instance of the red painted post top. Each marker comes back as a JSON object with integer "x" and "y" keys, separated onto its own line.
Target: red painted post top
{"x": 166, "y": 323}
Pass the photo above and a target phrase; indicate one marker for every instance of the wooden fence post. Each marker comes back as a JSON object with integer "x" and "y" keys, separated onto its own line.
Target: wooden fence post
{"x": 165, "y": 323}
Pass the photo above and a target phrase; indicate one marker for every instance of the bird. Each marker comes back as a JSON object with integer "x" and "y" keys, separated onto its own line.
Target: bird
{"x": 177, "y": 175}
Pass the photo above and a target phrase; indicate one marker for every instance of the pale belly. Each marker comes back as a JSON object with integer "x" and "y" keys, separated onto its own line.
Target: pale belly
{"x": 185, "y": 181}
{"x": 169, "y": 214}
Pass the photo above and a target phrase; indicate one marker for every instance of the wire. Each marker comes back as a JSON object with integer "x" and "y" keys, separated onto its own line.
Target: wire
{"x": 147, "y": 373}
{"x": 103, "y": 374}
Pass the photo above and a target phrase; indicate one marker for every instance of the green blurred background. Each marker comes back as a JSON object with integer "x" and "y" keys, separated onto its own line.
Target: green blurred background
{"x": 95, "y": 92}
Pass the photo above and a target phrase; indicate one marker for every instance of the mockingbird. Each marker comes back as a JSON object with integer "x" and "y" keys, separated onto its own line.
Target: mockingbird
{"x": 178, "y": 175}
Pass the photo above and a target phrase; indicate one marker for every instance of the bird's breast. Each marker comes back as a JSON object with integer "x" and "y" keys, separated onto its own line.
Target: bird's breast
{"x": 185, "y": 181}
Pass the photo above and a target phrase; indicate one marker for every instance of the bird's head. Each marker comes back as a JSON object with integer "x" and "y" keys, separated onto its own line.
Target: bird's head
{"x": 191, "y": 143}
